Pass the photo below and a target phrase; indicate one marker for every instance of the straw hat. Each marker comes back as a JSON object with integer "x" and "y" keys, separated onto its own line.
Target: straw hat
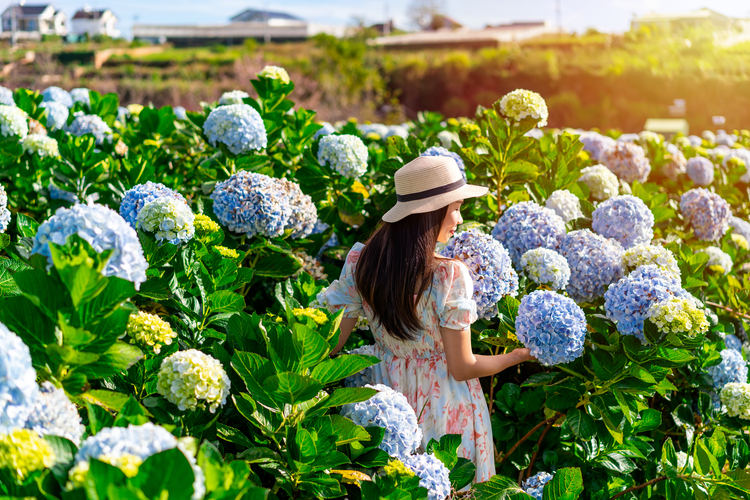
{"x": 428, "y": 183}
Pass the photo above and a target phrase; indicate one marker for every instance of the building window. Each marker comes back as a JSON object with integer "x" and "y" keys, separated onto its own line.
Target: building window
{"x": 32, "y": 25}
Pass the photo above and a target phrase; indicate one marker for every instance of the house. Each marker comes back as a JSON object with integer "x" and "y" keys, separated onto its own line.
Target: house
{"x": 680, "y": 21}
{"x": 30, "y": 22}
{"x": 94, "y": 22}
{"x": 260, "y": 25}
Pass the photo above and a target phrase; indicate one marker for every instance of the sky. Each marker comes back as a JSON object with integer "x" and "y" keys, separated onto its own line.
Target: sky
{"x": 612, "y": 16}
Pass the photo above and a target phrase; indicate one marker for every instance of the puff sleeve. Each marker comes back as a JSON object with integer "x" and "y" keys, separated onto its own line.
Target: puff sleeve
{"x": 342, "y": 293}
{"x": 456, "y": 308}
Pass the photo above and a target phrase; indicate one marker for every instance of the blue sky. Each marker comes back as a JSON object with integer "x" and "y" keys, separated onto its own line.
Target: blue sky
{"x": 577, "y": 15}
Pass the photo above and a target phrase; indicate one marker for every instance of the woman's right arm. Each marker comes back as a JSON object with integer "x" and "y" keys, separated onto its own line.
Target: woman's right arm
{"x": 463, "y": 364}
{"x": 346, "y": 327}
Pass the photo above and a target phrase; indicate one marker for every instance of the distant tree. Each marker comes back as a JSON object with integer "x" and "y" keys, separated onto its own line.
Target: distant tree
{"x": 421, "y": 12}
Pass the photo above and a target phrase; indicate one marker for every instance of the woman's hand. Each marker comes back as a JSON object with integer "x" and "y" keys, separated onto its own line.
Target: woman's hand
{"x": 523, "y": 354}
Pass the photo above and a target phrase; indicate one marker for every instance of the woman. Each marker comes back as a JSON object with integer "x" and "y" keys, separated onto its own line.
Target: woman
{"x": 420, "y": 309}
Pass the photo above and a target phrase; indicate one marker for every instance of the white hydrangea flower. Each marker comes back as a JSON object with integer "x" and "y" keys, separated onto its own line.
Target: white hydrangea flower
{"x": 13, "y": 122}
{"x": 233, "y": 97}
{"x": 736, "y": 398}
{"x": 169, "y": 219}
{"x": 346, "y": 154}
{"x": 275, "y": 73}
{"x": 565, "y": 204}
{"x": 602, "y": 183}
{"x": 546, "y": 267}
{"x": 645, "y": 254}
{"x": 41, "y": 145}
{"x": 679, "y": 316}
{"x": 4, "y": 212}
{"x": 521, "y": 104}
{"x": 719, "y": 258}
{"x": 191, "y": 379}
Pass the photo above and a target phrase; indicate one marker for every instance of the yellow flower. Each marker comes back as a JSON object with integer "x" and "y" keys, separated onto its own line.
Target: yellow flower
{"x": 205, "y": 226}
{"x": 126, "y": 462}
{"x": 740, "y": 241}
{"x": 23, "y": 451}
{"x": 315, "y": 314}
{"x": 396, "y": 469}
{"x": 149, "y": 330}
{"x": 225, "y": 252}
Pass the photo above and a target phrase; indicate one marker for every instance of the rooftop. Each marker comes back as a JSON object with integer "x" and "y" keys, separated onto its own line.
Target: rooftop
{"x": 89, "y": 14}
{"x": 259, "y": 16}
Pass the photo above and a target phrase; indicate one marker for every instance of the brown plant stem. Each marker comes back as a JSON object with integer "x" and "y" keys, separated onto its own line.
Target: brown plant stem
{"x": 728, "y": 309}
{"x": 640, "y": 486}
{"x": 552, "y": 419}
{"x": 536, "y": 452}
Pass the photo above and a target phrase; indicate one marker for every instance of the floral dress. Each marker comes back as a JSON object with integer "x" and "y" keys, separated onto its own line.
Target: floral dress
{"x": 418, "y": 368}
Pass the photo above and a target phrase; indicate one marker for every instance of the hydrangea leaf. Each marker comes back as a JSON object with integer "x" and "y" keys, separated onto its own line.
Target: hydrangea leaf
{"x": 566, "y": 485}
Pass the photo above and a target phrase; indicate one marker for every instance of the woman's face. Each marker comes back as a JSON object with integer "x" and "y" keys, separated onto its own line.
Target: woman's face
{"x": 451, "y": 221}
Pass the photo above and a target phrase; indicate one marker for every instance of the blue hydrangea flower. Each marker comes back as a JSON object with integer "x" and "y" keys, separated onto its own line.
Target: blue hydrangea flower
{"x": 432, "y": 473}
{"x": 732, "y": 342}
{"x": 707, "y": 212}
{"x": 136, "y": 197}
{"x": 4, "y": 212}
{"x": 238, "y": 126}
{"x": 695, "y": 140}
{"x": 57, "y": 115}
{"x": 139, "y": 440}
{"x": 6, "y": 96}
{"x": 732, "y": 368}
{"x": 595, "y": 143}
{"x": 346, "y": 154}
{"x": 123, "y": 114}
{"x": 397, "y": 130}
{"x": 91, "y": 124}
{"x": 254, "y": 204}
{"x": 81, "y": 95}
{"x": 233, "y": 97}
{"x": 627, "y": 302}
{"x": 595, "y": 262}
{"x": 565, "y": 204}
{"x": 103, "y": 229}
{"x": 390, "y": 410}
{"x": 57, "y": 193}
{"x": 56, "y": 94}
{"x": 624, "y": 218}
{"x": 552, "y": 326}
{"x": 489, "y": 265}
{"x": 627, "y": 161}
{"x": 700, "y": 170}
{"x": 364, "y": 377}
{"x": 440, "y": 151}
{"x": 534, "y": 485}
{"x": 13, "y": 122}
{"x": 740, "y": 227}
{"x": 327, "y": 129}
{"x": 546, "y": 267}
{"x": 180, "y": 112}
{"x": 18, "y": 389}
{"x": 53, "y": 414}
{"x": 526, "y": 226}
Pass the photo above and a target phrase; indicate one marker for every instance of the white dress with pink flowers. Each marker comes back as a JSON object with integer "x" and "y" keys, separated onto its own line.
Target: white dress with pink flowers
{"x": 418, "y": 369}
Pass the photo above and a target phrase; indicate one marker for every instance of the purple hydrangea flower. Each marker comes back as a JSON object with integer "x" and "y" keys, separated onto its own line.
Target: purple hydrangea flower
{"x": 707, "y": 212}
{"x": 700, "y": 170}
{"x": 624, "y": 218}
{"x": 627, "y": 161}
{"x": 595, "y": 262}
{"x": 526, "y": 226}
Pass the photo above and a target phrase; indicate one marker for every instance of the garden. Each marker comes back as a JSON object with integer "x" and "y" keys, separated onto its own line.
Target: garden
{"x": 165, "y": 334}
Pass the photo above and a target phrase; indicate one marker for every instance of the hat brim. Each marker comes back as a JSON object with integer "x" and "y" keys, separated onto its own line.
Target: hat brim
{"x": 403, "y": 209}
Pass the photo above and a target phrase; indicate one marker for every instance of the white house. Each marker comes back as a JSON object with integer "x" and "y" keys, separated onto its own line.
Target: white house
{"x": 94, "y": 22}
{"x": 33, "y": 21}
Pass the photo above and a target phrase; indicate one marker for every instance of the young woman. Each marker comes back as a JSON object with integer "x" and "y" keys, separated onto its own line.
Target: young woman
{"x": 420, "y": 309}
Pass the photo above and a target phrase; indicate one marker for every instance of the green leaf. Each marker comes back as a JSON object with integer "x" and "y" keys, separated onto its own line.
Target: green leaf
{"x": 346, "y": 395}
{"x": 340, "y": 367}
{"x": 292, "y": 388}
{"x": 566, "y": 485}
{"x": 277, "y": 265}
{"x": 225, "y": 301}
{"x": 110, "y": 400}
{"x": 704, "y": 461}
{"x": 462, "y": 474}
{"x": 649, "y": 421}
{"x": 581, "y": 424}
{"x": 26, "y": 226}
{"x": 669, "y": 459}
{"x": 500, "y": 488}
{"x": 166, "y": 475}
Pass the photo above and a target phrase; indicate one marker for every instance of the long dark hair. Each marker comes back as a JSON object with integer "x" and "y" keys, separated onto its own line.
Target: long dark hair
{"x": 398, "y": 257}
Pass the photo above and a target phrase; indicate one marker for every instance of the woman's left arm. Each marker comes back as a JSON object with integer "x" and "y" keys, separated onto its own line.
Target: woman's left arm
{"x": 346, "y": 327}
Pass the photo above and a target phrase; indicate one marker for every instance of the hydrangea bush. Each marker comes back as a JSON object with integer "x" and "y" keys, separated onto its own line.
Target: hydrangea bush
{"x": 595, "y": 262}
{"x": 58, "y": 95}
{"x": 238, "y": 126}
{"x": 91, "y": 124}
{"x": 233, "y": 97}
{"x": 624, "y": 218}
{"x": 37, "y": 144}
{"x": 736, "y": 397}
{"x": 274, "y": 73}
{"x": 706, "y": 212}
{"x": 489, "y": 265}
{"x": 718, "y": 259}
{"x": 433, "y": 474}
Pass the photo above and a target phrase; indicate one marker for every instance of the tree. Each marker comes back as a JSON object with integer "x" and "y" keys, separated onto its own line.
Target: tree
{"x": 421, "y": 12}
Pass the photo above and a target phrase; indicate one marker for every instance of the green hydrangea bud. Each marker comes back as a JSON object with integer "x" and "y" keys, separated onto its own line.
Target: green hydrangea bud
{"x": 225, "y": 252}
{"x": 23, "y": 451}
{"x": 736, "y": 397}
{"x": 204, "y": 226}
{"x": 678, "y": 316}
{"x": 149, "y": 331}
